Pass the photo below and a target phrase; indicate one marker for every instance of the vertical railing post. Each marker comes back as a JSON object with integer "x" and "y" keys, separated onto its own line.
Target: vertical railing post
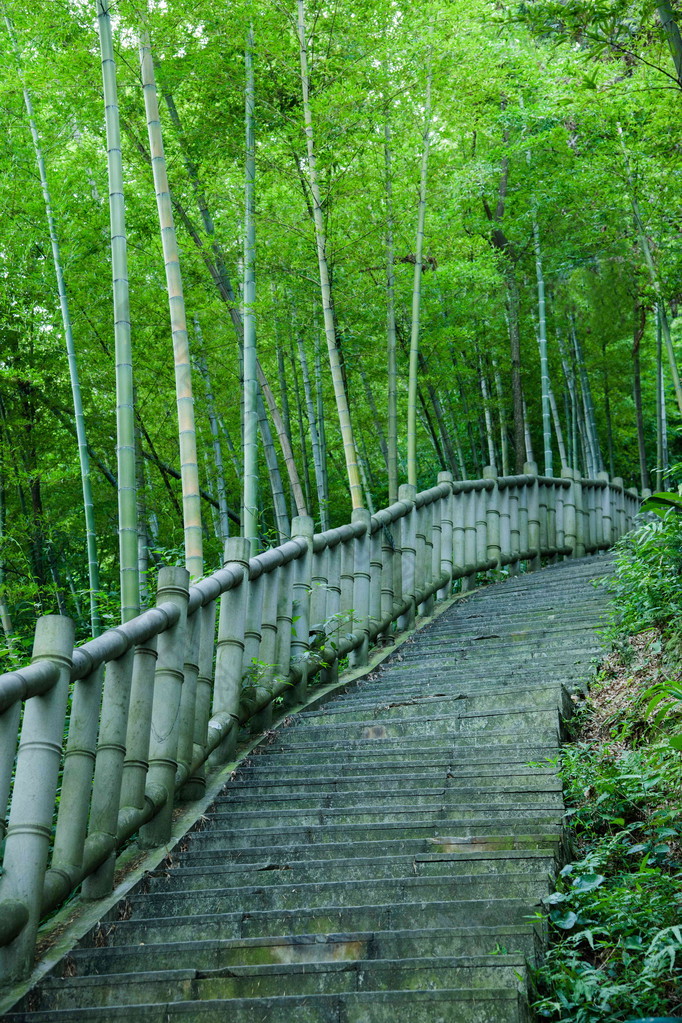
{"x": 387, "y": 573}
{"x": 422, "y": 552}
{"x": 165, "y": 730}
{"x": 136, "y": 760}
{"x": 108, "y": 776}
{"x": 407, "y": 494}
{"x": 570, "y": 512}
{"x": 494, "y": 549}
{"x": 432, "y": 553}
{"x": 35, "y": 788}
{"x": 458, "y": 534}
{"x": 252, "y": 638}
{"x": 361, "y": 581}
{"x": 481, "y": 505}
{"x": 531, "y": 469}
{"x": 579, "y": 516}
{"x": 472, "y": 503}
{"x": 303, "y": 528}
{"x": 229, "y": 665}
{"x": 196, "y": 782}
{"x": 376, "y": 577}
{"x": 604, "y": 508}
{"x": 285, "y": 599}
{"x": 446, "y": 536}
{"x": 188, "y": 696}
{"x": 551, "y": 520}
{"x": 633, "y": 505}
{"x": 79, "y": 763}
{"x": 514, "y": 528}
{"x": 543, "y": 516}
{"x": 505, "y": 523}
{"x": 560, "y": 516}
{"x": 319, "y": 581}
{"x": 267, "y": 653}
{"x": 524, "y": 497}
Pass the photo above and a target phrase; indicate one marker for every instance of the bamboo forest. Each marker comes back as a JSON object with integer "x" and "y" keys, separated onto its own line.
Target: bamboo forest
{"x": 435, "y": 237}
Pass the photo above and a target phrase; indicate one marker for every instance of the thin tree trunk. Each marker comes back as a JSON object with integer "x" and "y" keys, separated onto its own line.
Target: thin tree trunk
{"x": 527, "y": 440}
{"x": 187, "y": 435}
{"x": 672, "y": 33}
{"x": 314, "y": 434}
{"x": 492, "y": 458}
{"x": 321, "y": 430}
{"x": 661, "y": 420}
{"x": 607, "y": 411}
{"x": 125, "y": 417}
{"x": 391, "y": 360}
{"x": 431, "y": 428}
{"x": 79, "y": 419}
{"x": 349, "y": 449}
{"x": 250, "y": 421}
{"x": 557, "y": 428}
{"x": 504, "y": 440}
{"x": 588, "y": 405}
{"x": 544, "y": 362}
{"x": 416, "y": 286}
{"x": 637, "y": 335}
{"x": 200, "y": 362}
{"x": 369, "y": 394}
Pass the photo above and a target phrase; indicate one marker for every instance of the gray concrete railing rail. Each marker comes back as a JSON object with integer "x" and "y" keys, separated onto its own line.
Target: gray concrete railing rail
{"x": 147, "y": 707}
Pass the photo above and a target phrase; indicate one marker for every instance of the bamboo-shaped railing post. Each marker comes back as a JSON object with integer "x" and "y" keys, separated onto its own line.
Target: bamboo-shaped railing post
{"x": 302, "y": 527}
{"x": 108, "y": 776}
{"x": 267, "y": 654}
{"x": 570, "y": 511}
{"x": 579, "y": 516}
{"x": 431, "y": 551}
{"x": 446, "y": 536}
{"x": 318, "y": 595}
{"x": 620, "y": 505}
{"x": 605, "y": 508}
{"x": 285, "y": 600}
{"x": 252, "y": 637}
{"x": 361, "y": 586}
{"x": 560, "y": 509}
{"x": 79, "y": 762}
{"x": 543, "y": 516}
{"x": 9, "y": 737}
{"x": 514, "y": 528}
{"x": 505, "y": 524}
{"x": 229, "y": 666}
{"x": 423, "y": 515}
{"x": 551, "y": 520}
{"x": 531, "y": 469}
{"x": 196, "y": 782}
{"x": 524, "y": 497}
{"x": 470, "y": 503}
{"x": 376, "y": 578}
{"x": 330, "y": 673}
{"x": 168, "y": 679}
{"x": 407, "y": 493}
{"x": 436, "y": 542}
{"x": 136, "y": 763}
{"x": 494, "y": 550}
{"x": 481, "y": 505}
{"x": 387, "y": 573}
{"x": 35, "y": 787}
{"x": 188, "y": 702}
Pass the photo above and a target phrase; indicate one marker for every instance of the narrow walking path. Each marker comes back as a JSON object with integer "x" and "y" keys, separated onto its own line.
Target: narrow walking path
{"x": 383, "y": 857}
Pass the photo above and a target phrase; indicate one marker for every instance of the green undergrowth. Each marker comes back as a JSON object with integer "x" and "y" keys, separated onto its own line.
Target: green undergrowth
{"x": 615, "y": 918}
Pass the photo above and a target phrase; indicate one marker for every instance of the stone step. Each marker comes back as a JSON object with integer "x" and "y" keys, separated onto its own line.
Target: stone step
{"x": 268, "y": 871}
{"x": 235, "y": 924}
{"x": 494, "y": 1005}
{"x": 201, "y": 847}
{"x": 392, "y": 780}
{"x": 306, "y": 948}
{"x": 445, "y": 795}
{"x": 253, "y": 898}
{"x": 277, "y": 979}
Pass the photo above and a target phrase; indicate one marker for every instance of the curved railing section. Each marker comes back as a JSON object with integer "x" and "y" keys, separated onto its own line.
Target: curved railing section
{"x": 149, "y": 707}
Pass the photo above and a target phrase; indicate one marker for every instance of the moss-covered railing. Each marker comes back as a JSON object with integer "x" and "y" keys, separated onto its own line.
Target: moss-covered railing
{"x": 149, "y": 707}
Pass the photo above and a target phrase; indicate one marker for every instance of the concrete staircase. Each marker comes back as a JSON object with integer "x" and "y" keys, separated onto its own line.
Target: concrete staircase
{"x": 383, "y": 857}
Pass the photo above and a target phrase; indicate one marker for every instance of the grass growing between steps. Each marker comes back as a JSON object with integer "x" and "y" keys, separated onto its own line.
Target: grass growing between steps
{"x": 615, "y": 918}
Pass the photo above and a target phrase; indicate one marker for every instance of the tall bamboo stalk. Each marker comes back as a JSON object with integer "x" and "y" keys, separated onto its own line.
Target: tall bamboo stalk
{"x": 200, "y": 362}
{"x": 189, "y": 467}
{"x": 349, "y": 448}
{"x": 250, "y": 500}
{"x": 504, "y": 440}
{"x": 314, "y": 433}
{"x": 391, "y": 351}
{"x": 321, "y": 431}
{"x": 125, "y": 416}
{"x": 416, "y": 286}
{"x": 79, "y": 418}
{"x": 485, "y": 394}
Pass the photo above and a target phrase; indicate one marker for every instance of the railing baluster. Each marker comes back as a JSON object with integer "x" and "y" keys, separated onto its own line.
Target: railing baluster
{"x": 408, "y": 526}
{"x": 229, "y": 666}
{"x": 165, "y": 729}
{"x": 302, "y": 527}
{"x": 531, "y": 469}
{"x": 196, "y": 783}
{"x": 35, "y": 787}
{"x": 361, "y": 581}
{"x": 446, "y": 535}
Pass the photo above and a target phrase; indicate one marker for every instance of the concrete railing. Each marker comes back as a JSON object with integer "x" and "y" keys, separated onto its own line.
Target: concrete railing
{"x": 119, "y": 730}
